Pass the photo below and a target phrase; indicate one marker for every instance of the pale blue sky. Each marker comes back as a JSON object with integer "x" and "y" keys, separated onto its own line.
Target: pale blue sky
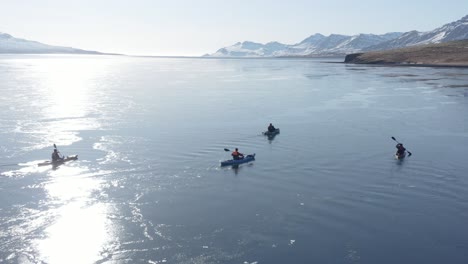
{"x": 192, "y": 28}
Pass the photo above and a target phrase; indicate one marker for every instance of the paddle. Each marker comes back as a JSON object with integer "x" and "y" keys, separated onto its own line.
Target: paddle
{"x": 402, "y": 144}
{"x": 12, "y": 164}
{"x": 226, "y": 149}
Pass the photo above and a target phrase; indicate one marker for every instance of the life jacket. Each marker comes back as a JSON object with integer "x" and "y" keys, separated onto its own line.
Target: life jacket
{"x": 235, "y": 153}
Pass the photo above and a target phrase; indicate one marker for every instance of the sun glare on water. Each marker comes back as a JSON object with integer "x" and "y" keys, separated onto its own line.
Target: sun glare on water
{"x": 66, "y": 86}
{"x": 66, "y": 98}
{"x": 80, "y": 229}
{"x": 62, "y": 101}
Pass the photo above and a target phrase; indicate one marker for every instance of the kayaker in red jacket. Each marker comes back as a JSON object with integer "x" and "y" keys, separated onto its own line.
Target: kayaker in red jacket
{"x": 237, "y": 155}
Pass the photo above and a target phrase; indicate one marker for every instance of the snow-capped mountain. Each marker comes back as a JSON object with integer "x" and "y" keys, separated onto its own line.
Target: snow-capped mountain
{"x": 316, "y": 44}
{"x": 320, "y": 45}
{"x": 10, "y": 44}
{"x": 457, "y": 30}
{"x": 251, "y": 49}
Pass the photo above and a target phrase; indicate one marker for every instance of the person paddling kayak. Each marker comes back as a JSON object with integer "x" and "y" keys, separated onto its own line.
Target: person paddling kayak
{"x": 236, "y": 155}
{"x": 271, "y": 128}
{"x": 56, "y": 156}
{"x": 400, "y": 150}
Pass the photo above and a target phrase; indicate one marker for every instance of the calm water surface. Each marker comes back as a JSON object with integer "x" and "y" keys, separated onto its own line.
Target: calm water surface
{"x": 150, "y": 134}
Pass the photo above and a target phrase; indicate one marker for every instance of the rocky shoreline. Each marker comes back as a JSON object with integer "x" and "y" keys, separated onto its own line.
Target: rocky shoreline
{"x": 448, "y": 54}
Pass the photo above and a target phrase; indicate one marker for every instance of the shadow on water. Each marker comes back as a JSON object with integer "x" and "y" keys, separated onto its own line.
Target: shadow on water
{"x": 56, "y": 166}
{"x": 235, "y": 169}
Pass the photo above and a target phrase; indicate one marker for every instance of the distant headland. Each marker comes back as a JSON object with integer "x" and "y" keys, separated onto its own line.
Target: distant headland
{"x": 12, "y": 45}
{"x": 448, "y": 54}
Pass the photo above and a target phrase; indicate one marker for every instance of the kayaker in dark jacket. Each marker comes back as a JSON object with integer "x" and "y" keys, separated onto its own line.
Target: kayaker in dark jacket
{"x": 56, "y": 155}
{"x": 237, "y": 155}
{"x": 400, "y": 149}
{"x": 271, "y": 128}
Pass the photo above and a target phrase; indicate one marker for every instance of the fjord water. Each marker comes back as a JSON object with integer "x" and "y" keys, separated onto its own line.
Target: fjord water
{"x": 150, "y": 133}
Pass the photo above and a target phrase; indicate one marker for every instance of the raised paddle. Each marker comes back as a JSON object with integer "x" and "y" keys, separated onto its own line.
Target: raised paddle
{"x": 402, "y": 144}
{"x": 226, "y": 149}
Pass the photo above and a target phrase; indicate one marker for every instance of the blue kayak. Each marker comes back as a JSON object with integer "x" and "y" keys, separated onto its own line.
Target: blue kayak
{"x": 271, "y": 133}
{"x": 230, "y": 162}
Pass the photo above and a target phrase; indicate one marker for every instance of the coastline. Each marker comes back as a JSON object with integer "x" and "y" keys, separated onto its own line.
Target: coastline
{"x": 422, "y": 65}
{"x": 452, "y": 54}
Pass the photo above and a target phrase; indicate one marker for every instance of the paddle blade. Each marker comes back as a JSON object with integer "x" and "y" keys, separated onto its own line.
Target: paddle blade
{"x": 409, "y": 154}
{"x": 393, "y": 138}
{"x": 55, "y": 146}
{"x": 226, "y": 149}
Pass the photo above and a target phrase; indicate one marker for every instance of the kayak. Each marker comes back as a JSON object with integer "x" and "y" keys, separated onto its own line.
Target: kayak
{"x": 246, "y": 159}
{"x": 272, "y": 133}
{"x": 400, "y": 157}
{"x": 58, "y": 162}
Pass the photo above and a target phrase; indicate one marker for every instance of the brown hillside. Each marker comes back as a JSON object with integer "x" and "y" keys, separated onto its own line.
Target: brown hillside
{"x": 454, "y": 53}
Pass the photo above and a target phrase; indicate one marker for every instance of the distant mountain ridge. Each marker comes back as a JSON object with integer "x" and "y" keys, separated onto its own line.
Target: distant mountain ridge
{"x": 315, "y": 44}
{"x": 334, "y": 44}
{"x": 457, "y": 30}
{"x": 10, "y": 44}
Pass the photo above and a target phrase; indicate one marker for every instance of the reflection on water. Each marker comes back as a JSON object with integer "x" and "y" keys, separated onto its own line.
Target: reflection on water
{"x": 271, "y": 138}
{"x": 80, "y": 222}
{"x": 61, "y": 99}
{"x": 27, "y": 168}
{"x": 64, "y": 85}
{"x": 77, "y": 235}
{"x": 75, "y": 225}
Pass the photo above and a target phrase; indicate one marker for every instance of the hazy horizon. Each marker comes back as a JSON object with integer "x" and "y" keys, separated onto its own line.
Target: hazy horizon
{"x": 183, "y": 28}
